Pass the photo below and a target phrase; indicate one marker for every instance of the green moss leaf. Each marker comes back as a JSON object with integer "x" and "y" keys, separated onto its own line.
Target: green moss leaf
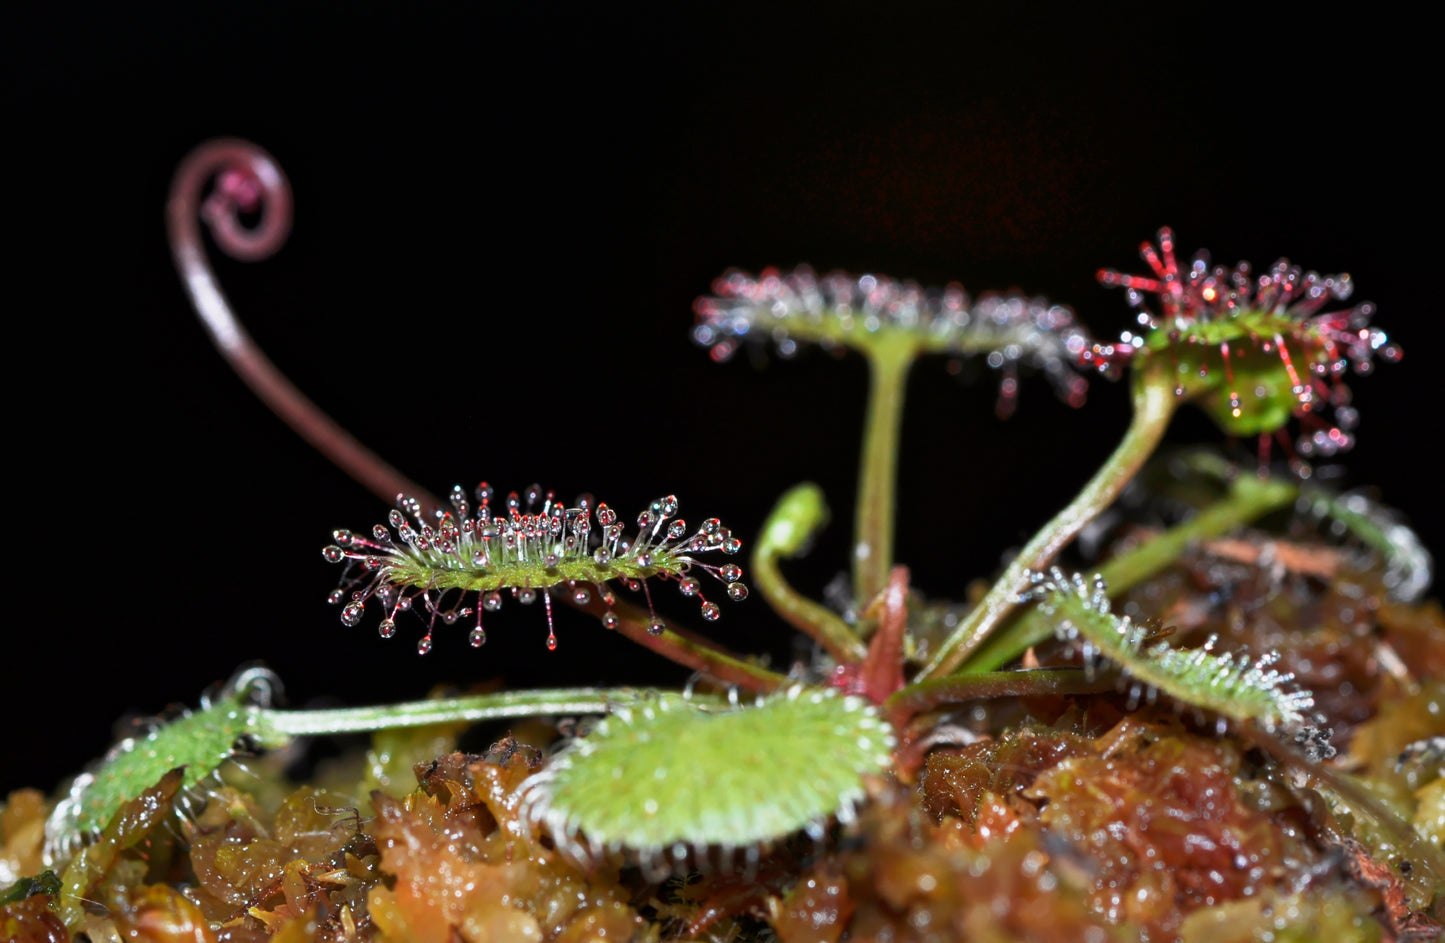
{"x": 44, "y": 883}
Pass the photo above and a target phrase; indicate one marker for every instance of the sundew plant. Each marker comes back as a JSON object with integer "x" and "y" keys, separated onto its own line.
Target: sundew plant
{"x": 1219, "y": 717}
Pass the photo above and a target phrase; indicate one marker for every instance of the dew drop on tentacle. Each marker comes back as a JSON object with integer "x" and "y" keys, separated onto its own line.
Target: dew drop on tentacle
{"x": 526, "y": 550}
{"x": 837, "y": 311}
{"x": 610, "y": 620}
{"x": 1234, "y": 321}
{"x": 478, "y": 635}
{"x": 387, "y": 628}
{"x": 656, "y": 627}
{"x": 335, "y": 596}
{"x": 737, "y": 592}
{"x": 424, "y": 645}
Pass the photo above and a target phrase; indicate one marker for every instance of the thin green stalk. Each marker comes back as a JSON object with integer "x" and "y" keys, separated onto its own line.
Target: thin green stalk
{"x": 1154, "y": 405}
{"x": 956, "y": 689}
{"x": 701, "y": 656}
{"x": 685, "y": 648}
{"x": 475, "y": 708}
{"x": 798, "y": 515}
{"x": 888, "y": 363}
{"x": 1249, "y": 499}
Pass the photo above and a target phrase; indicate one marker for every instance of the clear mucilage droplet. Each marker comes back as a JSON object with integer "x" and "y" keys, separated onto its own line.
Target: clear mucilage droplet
{"x": 526, "y": 551}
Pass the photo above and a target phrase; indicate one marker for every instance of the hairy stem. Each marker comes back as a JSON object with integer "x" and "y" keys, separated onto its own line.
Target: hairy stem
{"x": 248, "y": 180}
{"x": 798, "y": 515}
{"x": 1154, "y": 405}
{"x": 1249, "y": 498}
{"x": 888, "y": 364}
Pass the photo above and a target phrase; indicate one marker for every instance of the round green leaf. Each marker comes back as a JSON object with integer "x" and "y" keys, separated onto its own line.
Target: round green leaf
{"x": 672, "y": 774}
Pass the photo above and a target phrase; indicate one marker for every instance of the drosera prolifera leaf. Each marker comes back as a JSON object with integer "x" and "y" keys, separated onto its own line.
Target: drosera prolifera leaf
{"x": 1251, "y": 349}
{"x": 534, "y": 546}
{"x": 867, "y": 312}
{"x": 1235, "y": 685}
{"x": 198, "y": 741}
{"x": 669, "y": 777}
{"x": 891, "y": 323}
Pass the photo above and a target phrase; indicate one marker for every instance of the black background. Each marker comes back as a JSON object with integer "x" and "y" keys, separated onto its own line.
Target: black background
{"x": 502, "y": 219}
